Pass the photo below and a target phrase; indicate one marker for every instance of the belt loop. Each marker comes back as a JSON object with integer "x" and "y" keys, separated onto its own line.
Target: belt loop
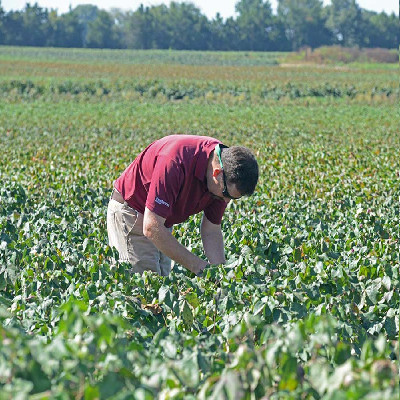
{"x": 115, "y": 195}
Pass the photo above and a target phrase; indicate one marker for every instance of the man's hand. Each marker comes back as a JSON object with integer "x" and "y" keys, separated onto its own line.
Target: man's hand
{"x": 155, "y": 230}
{"x": 202, "y": 268}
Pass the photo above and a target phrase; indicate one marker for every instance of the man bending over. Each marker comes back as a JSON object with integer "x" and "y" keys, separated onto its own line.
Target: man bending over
{"x": 173, "y": 178}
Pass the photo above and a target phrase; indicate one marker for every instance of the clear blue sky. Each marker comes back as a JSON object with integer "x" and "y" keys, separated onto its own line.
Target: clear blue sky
{"x": 208, "y": 7}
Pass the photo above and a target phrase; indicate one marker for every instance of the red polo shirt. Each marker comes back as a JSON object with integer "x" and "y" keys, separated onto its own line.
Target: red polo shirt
{"x": 169, "y": 178}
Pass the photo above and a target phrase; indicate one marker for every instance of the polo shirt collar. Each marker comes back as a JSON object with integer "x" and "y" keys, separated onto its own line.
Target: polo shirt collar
{"x": 202, "y": 162}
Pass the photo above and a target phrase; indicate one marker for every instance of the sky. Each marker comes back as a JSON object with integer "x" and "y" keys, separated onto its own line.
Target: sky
{"x": 208, "y": 7}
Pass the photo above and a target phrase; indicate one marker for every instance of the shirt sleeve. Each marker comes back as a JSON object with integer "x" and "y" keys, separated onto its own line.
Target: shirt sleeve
{"x": 215, "y": 210}
{"x": 165, "y": 185}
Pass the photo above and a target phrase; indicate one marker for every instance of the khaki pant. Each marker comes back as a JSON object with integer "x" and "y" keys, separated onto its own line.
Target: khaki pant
{"x": 125, "y": 233}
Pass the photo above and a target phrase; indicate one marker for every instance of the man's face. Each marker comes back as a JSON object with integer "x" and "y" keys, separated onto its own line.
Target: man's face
{"x": 220, "y": 189}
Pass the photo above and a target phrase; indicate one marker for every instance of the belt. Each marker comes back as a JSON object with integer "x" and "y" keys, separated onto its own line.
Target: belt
{"x": 117, "y": 196}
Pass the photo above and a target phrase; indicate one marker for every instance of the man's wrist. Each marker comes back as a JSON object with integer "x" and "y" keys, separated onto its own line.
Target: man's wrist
{"x": 200, "y": 272}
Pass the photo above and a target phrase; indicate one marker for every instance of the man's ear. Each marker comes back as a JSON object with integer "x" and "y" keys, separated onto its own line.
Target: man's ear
{"x": 216, "y": 172}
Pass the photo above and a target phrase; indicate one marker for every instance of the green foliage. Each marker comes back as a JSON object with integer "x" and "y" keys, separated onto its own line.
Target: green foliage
{"x": 307, "y": 305}
{"x": 304, "y": 22}
{"x": 344, "y": 19}
{"x": 182, "y": 26}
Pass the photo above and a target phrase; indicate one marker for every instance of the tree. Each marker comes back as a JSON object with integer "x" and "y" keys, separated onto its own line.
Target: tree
{"x": 100, "y": 32}
{"x": 182, "y": 26}
{"x": 304, "y": 22}
{"x": 13, "y": 29}
{"x": 117, "y": 16}
{"x": 67, "y": 31}
{"x": 188, "y": 28}
{"x": 161, "y": 29}
{"x": 138, "y": 29}
{"x": 2, "y": 13}
{"x": 36, "y": 24}
{"x": 29, "y": 27}
{"x": 218, "y": 34}
{"x": 380, "y": 30}
{"x": 345, "y": 22}
{"x": 85, "y": 14}
{"x": 255, "y": 23}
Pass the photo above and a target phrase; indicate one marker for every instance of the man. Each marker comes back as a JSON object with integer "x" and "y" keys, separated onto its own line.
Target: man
{"x": 173, "y": 178}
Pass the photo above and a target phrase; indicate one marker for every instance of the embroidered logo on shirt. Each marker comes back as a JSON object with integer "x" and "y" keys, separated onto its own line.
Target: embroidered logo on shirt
{"x": 159, "y": 201}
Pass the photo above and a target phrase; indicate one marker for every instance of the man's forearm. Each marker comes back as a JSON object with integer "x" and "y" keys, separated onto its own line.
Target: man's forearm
{"x": 213, "y": 243}
{"x": 162, "y": 238}
{"x": 168, "y": 245}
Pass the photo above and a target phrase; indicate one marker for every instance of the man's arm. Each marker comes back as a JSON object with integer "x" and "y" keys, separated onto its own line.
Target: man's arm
{"x": 213, "y": 241}
{"x": 155, "y": 230}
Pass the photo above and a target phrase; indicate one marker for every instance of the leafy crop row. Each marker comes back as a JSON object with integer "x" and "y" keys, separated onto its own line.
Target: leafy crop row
{"x": 186, "y": 90}
{"x": 159, "y": 57}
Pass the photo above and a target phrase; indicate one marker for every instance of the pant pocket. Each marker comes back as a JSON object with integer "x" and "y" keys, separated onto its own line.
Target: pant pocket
{"x": 129, "y": 217}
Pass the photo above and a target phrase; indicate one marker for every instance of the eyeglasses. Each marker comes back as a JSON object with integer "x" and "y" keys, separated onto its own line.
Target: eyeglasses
{"x": 225, "y": 192}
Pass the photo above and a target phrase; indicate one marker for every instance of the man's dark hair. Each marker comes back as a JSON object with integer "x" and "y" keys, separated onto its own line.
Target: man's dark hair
{"x": 240, "y": 168}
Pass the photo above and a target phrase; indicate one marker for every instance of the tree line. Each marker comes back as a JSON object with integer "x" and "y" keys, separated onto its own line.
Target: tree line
{"x": 182, "y": 26}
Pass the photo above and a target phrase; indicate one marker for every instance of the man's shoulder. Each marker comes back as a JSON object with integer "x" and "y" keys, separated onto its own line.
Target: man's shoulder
{"x": 188, "y": 139}
{"x": 185, "y": 147}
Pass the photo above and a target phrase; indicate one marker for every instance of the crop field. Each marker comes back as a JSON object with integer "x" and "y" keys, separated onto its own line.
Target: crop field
{"x": 307, "y": 306}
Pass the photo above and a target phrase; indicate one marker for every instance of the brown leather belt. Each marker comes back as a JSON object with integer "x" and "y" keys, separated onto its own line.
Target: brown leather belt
{"x": 117, "y": 197}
